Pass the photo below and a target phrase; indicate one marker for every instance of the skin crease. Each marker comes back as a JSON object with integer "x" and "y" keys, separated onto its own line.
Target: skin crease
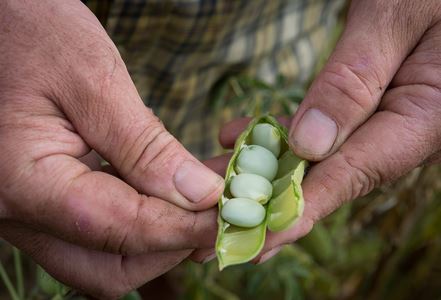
{"x": 64, "y": 90}
{"x": 381, "y": 87}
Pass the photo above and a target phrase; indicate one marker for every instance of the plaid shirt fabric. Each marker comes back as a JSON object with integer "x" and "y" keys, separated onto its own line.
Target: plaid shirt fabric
{"x": 177, "y": 50}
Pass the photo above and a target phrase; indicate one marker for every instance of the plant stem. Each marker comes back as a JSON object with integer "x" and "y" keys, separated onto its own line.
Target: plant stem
{"x": 4, "y": 276}
{"x": 236, "y": 87}
{"x": 220, "y": 291}
{"x": 18, "y": 273}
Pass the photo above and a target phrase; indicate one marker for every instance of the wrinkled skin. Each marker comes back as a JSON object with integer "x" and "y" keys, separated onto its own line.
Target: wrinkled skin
{"x": 64, "y": 90}
{"x": 376, "y": 109}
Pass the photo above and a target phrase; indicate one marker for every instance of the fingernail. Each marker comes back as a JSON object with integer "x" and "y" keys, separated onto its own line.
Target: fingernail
{"x": 195, "y": 181}
{"x": 209, "y": 258}
{"x": 315, "y": 133}
{"x": 268, "y": 255}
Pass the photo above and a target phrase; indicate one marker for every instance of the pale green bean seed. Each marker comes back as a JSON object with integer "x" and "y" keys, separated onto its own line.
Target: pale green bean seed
{"x": 266, "y": 135}
{"x": 258, "y": 160}
{"x": 243, "y": 212}
{"x": 251, "y": 186}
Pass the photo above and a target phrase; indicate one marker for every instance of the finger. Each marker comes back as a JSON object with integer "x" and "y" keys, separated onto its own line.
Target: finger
{"x": 203, "y": 256}
{"x": 268, "y": 255}
{"x": 92, "y": 160}
{"x": 394, "y": 141}
{"x": 110, "y": 170}
{"x": 109, "y": 115}
{"x": 231, "y": 131}
{"x": 98, "y": 274}
{"x": 99, "y": 211}
{"x": 219, "y": 163}
{"x": 422, "y": 69}
{"x": 404, "y": 134}
{"x": 275, "y": 239}
{"x": 95, "y": 163}
{"x": 348, "y": 89}
{"x": 398, "y": 138}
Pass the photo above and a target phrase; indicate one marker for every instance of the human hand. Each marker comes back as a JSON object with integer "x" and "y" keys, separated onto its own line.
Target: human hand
{"x": 64, "y": 90}
{"x": 373, "y": 113}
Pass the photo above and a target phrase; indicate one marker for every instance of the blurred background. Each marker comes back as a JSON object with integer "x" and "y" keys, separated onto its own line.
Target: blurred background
{"x": 386, "y": 245}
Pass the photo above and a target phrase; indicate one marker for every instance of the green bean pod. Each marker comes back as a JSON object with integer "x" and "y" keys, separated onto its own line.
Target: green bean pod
{"x": 235, "y": 244}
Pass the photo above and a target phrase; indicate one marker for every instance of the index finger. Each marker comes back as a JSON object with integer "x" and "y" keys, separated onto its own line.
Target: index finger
{"x": 390, "y": 144}
{"x": 99, "y": 211}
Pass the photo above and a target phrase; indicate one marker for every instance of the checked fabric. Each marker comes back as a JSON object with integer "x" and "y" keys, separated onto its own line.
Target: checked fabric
{"x": 177, "y": 51}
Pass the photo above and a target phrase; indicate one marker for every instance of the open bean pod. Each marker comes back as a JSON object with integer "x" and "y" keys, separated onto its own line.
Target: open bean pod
{"x": 263, "y": 191}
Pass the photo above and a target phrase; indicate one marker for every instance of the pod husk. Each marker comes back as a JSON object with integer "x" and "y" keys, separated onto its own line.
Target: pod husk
{"x": 236, "y": 245}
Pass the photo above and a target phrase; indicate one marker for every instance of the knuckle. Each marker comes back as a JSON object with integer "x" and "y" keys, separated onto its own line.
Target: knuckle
{"x": 159, "y": 152}
{"x": 147, "y": 222}
{"x": 113, "y": 240}
{"x": 193, "y": 221}
{"x": 136, "y": 145}
{"x": 358, "y": 88}
{"x": 363, "y": 179}
{"x": 121, "y": 241}
{"x": 419, "y": 109}
{"x": 150, "y": 152}
{"x": 415, "y": 101}
{"x": 125, "y": 245}
{"x": 202, "y": 228}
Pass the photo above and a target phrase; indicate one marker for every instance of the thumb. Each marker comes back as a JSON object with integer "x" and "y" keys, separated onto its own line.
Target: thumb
{"x": 378, "y": 37}
{"x": 110, "y": 116}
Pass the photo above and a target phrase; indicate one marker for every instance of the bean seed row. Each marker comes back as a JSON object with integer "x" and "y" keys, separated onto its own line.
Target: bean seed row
{"x": 251, "y": 188}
